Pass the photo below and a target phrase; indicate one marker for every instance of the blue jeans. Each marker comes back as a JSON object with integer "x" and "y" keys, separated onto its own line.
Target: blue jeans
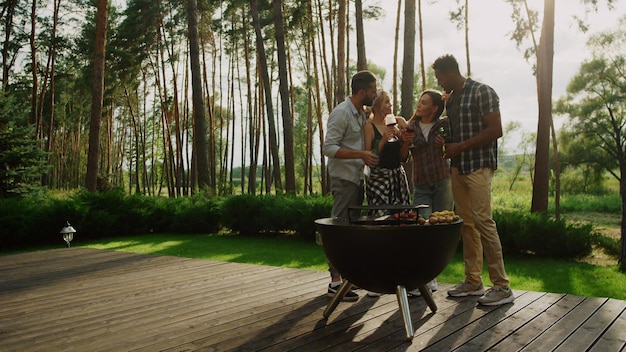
{"x": 438, "y": 197}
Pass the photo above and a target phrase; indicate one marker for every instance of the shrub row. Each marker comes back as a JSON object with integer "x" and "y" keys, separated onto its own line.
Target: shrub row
{"x": 37, "y": 222}
{"x": 541, "y": 234}
{"x": 250, "y": 215}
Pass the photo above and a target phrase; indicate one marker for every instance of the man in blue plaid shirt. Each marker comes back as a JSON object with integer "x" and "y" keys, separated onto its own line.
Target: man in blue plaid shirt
{"x": 475, "y": 126}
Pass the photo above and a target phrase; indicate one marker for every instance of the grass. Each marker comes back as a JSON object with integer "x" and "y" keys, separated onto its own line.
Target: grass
{"x": 526, "y": 273}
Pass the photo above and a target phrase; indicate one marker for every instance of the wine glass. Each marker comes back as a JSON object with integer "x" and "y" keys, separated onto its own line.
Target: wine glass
{"x": 411, "y": 129}
{"x": 390, "y": 121}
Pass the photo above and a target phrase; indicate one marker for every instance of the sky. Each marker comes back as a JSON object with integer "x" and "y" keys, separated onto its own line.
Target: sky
{"x": 495, "y": 59}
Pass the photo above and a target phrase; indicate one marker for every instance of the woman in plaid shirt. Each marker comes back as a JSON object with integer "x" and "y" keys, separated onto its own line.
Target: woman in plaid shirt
{"x": 431, "y": 171}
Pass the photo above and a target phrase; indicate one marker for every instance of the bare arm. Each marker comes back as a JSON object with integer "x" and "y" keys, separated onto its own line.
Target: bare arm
{"x": 405, "y": 137}
{"x": 368, "y": 135}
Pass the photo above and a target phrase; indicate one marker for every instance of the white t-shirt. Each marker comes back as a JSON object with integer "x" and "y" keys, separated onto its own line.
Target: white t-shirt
{"x": 426, "y": 127}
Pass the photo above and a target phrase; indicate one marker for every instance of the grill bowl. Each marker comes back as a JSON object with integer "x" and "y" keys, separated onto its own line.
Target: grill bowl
{"x": 380, "y": 257}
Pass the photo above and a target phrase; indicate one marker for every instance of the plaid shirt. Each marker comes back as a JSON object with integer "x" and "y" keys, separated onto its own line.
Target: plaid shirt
{"x": 465, "y": 112}
{"x": 429, "y": 165}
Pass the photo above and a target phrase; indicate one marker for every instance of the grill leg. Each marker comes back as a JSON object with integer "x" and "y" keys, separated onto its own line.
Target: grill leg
{"x": 341, "y": 293}
{"x": 428, "y": 296}
{"x": 403, "y": 302}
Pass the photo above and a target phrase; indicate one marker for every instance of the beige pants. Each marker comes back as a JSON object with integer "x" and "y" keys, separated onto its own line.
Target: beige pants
{"x": 472, "y": 198}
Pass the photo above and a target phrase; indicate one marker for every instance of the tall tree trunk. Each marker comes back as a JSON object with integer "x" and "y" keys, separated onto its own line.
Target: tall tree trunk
{"x": 408, "y": 61}
{"x": 421, "y": 38}
{"x": 283, "y": 87}
{"x": 361, "y": 62}
{"x": 557, "y": 172}
{"x": 253, "y": 116}
{"x": 33, "y": 61}
{"x": 255, "y": 137}
{"x": 243, "y": 126}
{"x": 199, "y": 120}
{"x": 318, "y": 100}
{"x": 273, "y": 143}
{"x": 460, "y": 17}
{"x": 622, "y": 191}
{"x": 340, "y": 79}
{"x": 166, "y": 125}
{"x": 211, "y": 120}
{"x": 136, "y": 141}
{"x": 234, "y": 112}
{"x": 8, "y": 9}
{"x": 545, "y": 59}
{"x": 177, "y": 154}
{"x": 97, "y": 96}
{"x": 292, "y": 104}
{"x": 105, "y": 168}
{"x": 396, "y": 44}
{"x": 144, "y": 130}
{"x": 326, "y": 76}
{"x": 51, "y": 73}
{"x": 167, "y": 114}
{"x": 467, "y": 46}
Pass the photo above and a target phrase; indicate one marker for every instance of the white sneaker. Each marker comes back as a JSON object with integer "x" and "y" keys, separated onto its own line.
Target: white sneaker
{"x": 432, "y": 285}
{"x": 465, "y": 289}
{"x": 414, "y": 293}
{"x": 373, "y": 294}
{"x": 496, "y": 296}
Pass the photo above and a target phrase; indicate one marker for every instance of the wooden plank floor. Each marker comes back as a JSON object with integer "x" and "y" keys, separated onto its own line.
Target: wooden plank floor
{"x": 81, "y": 299}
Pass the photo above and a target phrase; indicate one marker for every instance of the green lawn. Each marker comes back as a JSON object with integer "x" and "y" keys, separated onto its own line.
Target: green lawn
{"x": 526, "y": 273}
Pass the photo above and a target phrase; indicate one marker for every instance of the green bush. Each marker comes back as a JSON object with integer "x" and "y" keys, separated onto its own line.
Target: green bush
{"x": 543, "y": 235}
{"x": 250, "y": 215}
{"x": 243, "y": 214}
{"x": 112, "y": 213}
{"x": 16, "y": 217}
{"x": 52, "y": 214}
{"x": 195, "y": 214}
{"x": 37, "y": 221}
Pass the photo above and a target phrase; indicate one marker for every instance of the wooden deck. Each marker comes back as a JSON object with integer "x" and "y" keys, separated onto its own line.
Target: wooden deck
{"x": 81, "y": 299}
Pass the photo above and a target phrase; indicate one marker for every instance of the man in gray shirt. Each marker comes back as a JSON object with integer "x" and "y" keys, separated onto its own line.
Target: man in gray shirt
{"x": 344, "y": 147}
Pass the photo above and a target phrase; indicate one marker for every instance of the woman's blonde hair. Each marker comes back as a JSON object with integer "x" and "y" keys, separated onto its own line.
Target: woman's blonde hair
{"x": 378, "y": 101}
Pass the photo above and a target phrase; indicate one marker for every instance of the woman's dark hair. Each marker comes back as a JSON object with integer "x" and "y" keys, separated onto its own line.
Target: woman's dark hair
{"x": 437, "y": 100}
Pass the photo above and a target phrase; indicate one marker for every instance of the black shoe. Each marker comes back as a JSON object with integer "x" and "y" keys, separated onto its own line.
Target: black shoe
{"x": 349, "y": 297}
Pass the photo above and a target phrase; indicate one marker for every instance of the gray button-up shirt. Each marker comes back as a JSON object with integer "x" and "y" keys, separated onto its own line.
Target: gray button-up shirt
{"x": 345, "y": 130}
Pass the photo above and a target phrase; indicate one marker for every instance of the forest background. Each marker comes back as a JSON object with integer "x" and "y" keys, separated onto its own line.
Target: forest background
{"x": 168, "y": 98}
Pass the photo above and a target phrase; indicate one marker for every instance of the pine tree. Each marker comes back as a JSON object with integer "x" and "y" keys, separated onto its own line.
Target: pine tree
{"x": 22, "y": 162}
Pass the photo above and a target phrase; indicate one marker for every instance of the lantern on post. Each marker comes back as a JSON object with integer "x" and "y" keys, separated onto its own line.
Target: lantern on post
{"x": 68, "y": 233}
